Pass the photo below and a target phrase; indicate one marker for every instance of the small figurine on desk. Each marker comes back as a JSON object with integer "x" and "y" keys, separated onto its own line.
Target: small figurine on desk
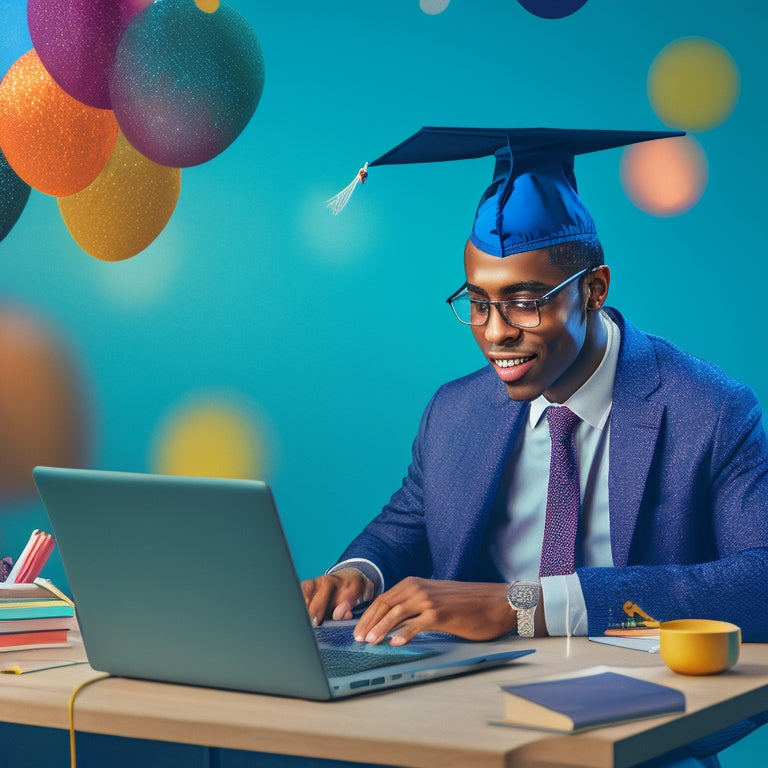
{"x": 639, "y": 623}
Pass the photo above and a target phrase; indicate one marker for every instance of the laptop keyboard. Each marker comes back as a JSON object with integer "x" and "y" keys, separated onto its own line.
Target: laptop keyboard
{"x": 348, "y": 657}
{"x": 339, "y": 662}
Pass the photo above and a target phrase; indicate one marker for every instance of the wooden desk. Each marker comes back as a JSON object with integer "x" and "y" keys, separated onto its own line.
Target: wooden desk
{"x": 440, "y": 724}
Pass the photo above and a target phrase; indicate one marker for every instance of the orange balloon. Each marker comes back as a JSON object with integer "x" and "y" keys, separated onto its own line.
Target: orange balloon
{"x": 41, "y": 404}
{"x": 665, "y": 177}
{"x": 54, "y": 142}
{"x": 126, "y": 208}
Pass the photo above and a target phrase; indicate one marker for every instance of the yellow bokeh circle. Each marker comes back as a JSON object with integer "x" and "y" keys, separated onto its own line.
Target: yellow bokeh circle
{"x": 693, "y": 84}
{"x": 209, "y": 436}
{"x": 664, "y": 177}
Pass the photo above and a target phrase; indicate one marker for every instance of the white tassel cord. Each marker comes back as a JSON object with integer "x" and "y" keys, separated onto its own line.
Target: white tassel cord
{"x": 337, "y": 202}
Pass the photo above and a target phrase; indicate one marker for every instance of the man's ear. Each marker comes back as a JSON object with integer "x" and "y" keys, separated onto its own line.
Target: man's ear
{"x": 597, "y": 284}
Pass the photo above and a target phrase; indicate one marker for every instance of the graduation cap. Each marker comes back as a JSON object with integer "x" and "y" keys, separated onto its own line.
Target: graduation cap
{"x": 532, "y": 201}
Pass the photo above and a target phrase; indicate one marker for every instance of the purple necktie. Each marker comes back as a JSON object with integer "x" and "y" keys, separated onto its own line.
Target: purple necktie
{"x": 563, "y": 496}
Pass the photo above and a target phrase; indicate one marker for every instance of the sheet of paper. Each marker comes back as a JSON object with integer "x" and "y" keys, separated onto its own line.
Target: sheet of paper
{"x": 649, "y": 644}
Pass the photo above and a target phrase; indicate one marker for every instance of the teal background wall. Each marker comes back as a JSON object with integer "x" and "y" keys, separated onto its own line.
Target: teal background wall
{"x": 328, "y": 333}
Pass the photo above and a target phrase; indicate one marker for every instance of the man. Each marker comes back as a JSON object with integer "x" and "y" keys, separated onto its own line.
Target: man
{"x": 657, "y": 490}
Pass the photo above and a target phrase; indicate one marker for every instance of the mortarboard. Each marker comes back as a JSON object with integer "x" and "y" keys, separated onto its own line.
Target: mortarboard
{"x": 532, "y": 201}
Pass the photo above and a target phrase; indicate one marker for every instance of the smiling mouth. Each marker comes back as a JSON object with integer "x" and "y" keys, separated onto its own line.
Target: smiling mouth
{"x": 511, "y": 363}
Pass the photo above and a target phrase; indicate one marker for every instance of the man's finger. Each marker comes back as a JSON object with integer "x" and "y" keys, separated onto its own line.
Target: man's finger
{"x": 343, "y": 610}
{"x": 405, "y": 632}
{"x": 318, "y": 604}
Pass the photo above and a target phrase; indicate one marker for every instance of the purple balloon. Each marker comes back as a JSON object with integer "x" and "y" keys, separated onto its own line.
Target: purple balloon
{"x": 552, "y": 9}
{"x": 185, "y": 82}
{"x": 77, "y": 39}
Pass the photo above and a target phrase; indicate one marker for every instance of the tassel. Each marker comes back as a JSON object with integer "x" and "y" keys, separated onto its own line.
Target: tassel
{"x": 337, "y": 202}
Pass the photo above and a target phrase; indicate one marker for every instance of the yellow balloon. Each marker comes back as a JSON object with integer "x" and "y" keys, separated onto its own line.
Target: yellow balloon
{"x": 125, "y": 208}
{"x": 694, "y": 84}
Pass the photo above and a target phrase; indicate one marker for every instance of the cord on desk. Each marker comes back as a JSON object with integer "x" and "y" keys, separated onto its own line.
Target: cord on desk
{"x": 71, "y": 712}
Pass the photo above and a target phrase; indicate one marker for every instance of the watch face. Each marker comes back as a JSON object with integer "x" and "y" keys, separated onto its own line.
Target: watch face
{"x": 524, "y": 595}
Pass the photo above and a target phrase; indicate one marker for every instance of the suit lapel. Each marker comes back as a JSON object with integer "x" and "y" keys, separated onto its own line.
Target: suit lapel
{"x": 635, "y": 425}
{"x": 469, "y": 501}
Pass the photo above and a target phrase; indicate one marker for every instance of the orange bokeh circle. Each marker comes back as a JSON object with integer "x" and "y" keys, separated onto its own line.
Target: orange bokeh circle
{"x": 54, "y": 142}
{"x": 665, "y": 177}
{"x": 41, "y": 403}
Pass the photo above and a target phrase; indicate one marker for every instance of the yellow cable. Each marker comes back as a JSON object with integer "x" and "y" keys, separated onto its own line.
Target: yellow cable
{"x": 71, "y": 711}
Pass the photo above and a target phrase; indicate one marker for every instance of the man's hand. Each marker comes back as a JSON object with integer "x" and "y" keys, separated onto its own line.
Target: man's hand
{"x": 336, "y": 594}
{"x": 475, "y": 611}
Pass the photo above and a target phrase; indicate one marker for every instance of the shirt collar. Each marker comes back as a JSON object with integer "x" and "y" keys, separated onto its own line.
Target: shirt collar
{"x": 591, "y": 402}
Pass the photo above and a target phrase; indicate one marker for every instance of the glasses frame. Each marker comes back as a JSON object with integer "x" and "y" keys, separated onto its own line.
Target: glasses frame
{"x": 534, "y": 303}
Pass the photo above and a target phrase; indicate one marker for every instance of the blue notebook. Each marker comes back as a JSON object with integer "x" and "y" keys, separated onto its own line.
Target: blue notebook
{"x": 588, "y": 701}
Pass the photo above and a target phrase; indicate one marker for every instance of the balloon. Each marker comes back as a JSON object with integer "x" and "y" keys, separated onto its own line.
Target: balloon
{"x": 185, "y": 81}
{"x": 552, "y": 9}
{"x": 41, "y": 403}
{"x": 55, "y": 143}
{"x": 76, "y": 40}
{"x": 126, "y": 208}
{"x": 14, "y": 194}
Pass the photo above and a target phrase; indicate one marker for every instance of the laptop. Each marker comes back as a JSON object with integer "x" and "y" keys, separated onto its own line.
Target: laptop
{"x": 190, "y": 580}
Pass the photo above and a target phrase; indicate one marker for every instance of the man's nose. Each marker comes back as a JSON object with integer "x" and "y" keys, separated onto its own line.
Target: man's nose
{"x": 497, "y": 330}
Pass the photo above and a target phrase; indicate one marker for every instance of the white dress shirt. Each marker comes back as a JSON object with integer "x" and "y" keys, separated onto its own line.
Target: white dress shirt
{"x": 516, "y": 527}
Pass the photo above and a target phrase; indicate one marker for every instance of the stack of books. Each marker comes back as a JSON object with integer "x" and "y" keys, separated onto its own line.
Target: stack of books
{"x": 33, "y": 613}
{"x": 40, "y": 621}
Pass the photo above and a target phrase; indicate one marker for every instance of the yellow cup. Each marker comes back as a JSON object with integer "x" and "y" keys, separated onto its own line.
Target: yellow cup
{"x": 699, "y": 646}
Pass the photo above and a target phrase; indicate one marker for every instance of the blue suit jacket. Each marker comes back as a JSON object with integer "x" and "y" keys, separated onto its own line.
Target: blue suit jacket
{"x": 688, "y": 490}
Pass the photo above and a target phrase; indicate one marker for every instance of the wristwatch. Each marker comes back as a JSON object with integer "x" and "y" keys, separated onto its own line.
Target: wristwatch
{"x": 523, "y": 596}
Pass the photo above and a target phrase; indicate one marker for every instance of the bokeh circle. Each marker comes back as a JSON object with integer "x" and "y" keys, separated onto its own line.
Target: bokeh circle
{"x": 210, "y": 435}
{"x": 433, "y": 7}
{"x": 42, "y": 403}
{"x": 693, "y": 84}
{"x": 665, "y": 177}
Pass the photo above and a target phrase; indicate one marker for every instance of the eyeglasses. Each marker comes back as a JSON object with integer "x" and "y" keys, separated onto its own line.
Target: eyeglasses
{"x": 519, "y": 313}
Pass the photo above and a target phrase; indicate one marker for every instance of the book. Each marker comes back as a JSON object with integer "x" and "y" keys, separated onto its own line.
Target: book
{"x": 34, "y": 625}
{"x": 19, "y": 591}
{"x": 575, "y": 704}
{"x": 19, "y": 640}
{"x": 34, "y": 608}
{"x": 648, "y": 643}
{"x": 32, "y": 558}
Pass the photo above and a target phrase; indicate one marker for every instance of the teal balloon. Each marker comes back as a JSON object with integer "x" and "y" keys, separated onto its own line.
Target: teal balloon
{"x": 185, "y": 82}
{"x": 14, "y": 194}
